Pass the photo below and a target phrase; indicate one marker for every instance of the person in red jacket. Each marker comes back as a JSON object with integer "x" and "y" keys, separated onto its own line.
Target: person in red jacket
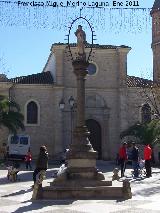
{"x": 123, "y": 158}
{"x": 28, "y": 159}
{"x": 147, "y": 158}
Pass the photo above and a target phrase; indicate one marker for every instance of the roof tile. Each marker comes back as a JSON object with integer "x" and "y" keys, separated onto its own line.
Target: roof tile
{"x": 46, "y": 78}
{"x": 93, "y": 45}
{"x": 133, "y": 81}
{"x": 39, "y": 78}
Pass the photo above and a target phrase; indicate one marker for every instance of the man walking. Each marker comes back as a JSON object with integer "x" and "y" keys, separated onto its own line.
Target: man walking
{"x": 42, "y": 162}
{"x": 135, "y": 159}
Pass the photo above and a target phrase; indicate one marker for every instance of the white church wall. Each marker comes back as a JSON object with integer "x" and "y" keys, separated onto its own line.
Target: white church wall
{"x": 51, "y": 66}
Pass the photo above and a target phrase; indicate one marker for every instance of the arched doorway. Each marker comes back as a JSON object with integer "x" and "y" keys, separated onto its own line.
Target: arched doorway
{"x": 95, "y": 135}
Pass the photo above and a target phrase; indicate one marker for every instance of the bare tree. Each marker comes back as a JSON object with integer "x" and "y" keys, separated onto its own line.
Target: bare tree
{"x": 151, "y": 93}
{"x": 3, "y": 66}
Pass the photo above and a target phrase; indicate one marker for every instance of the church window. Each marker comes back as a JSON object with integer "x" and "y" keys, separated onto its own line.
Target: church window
{"x": 32, "y": 113}
{"x": 92, "y": 69}
{"x": 146, "y": 113}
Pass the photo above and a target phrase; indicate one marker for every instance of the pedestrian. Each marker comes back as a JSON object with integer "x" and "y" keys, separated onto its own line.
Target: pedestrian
{"x": 123, "y": 158}
{"x": 3, "y": 151}
{"x": 135, "y": 159}
{"x": 28, "y": 159}
{"x": 42, "y": 162}
{"x": 147, "y": 158}
{"x": 64, "y": 155}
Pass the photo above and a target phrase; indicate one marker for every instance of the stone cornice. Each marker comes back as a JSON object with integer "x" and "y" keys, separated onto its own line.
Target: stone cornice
{"x": 154, "y": 44}
{"x": 97, "y": 46}
{"x": 123, "y": 50}
{"x": 6, "y": 85}
{"x": 36, "y": 86}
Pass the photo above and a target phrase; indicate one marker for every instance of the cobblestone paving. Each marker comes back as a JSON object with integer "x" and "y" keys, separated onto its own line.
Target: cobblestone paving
{"x": 16, "y": 197}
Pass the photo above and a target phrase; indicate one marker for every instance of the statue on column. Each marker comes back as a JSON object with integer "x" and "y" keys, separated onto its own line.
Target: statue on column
{"x": 81, "y": 41}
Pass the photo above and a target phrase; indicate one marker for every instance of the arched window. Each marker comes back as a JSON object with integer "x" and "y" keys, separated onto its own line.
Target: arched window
{"x": 146, "y": 113}
{"x": 32, "y": 113}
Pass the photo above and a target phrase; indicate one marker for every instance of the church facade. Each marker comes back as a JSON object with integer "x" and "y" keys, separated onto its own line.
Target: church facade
{"x": 114, "y": 100}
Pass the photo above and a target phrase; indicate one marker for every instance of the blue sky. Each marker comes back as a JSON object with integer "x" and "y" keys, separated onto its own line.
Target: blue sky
{"x": 25, "y": 46}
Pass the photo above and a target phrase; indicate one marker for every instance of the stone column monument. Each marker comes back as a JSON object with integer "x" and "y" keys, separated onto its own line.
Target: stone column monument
{"x": 81, "y": 157}
{"x": 81, "y": 179}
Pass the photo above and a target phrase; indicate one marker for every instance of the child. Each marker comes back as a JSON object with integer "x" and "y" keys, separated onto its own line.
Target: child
{"x": 28, "y": 159}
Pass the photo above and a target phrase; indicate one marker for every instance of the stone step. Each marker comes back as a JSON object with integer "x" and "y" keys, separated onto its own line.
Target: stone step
{"x": 98, "y": 192}
{"x": 83, "y": 183}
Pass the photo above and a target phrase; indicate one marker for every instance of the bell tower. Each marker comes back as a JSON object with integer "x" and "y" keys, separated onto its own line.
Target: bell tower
{"x": 155, "y": 14}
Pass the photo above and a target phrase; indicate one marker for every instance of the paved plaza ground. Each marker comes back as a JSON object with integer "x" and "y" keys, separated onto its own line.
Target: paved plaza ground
{"x": 16, "y": 197}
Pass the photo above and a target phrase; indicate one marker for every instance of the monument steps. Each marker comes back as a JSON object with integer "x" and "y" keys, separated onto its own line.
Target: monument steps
{"x": 83, "y": 183}
{"x": 79, "y": 192}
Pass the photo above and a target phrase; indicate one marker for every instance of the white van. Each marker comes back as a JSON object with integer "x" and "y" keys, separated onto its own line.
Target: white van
{"x": 18, "y": 146}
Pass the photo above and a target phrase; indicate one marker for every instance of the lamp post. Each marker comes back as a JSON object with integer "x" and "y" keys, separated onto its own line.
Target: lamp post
{"x": 71, "y": 102}
{"x": 72, "y": 105}
{"x": 61, "y": 104}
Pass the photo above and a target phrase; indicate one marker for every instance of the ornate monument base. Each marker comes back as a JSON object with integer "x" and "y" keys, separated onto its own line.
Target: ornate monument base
{"x": 65, "y": 187}
{"x": 94, "y": 192}
{"x": 81, "y": 179}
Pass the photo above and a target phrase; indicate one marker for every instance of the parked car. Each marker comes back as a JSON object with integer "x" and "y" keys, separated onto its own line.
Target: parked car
{"x": 18, "y": 146}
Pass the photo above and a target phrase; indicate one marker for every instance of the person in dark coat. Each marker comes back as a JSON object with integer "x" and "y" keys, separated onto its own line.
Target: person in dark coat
{"x": 42, "y": 162}
{"x": 135, "y": 159}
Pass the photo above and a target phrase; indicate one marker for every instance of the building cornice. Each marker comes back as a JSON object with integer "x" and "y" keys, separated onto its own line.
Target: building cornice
{"x": 6, "y": 85}
{"x": 96, "y": 46}
{"x": 154, "y": 44}
{"x": 39, "y": 86}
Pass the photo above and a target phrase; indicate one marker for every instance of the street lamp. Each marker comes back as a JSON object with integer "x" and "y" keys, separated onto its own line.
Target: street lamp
{"x": 72, "y": 105}
{"x": 61, "y": 104}
{"x": 71, "y": 102}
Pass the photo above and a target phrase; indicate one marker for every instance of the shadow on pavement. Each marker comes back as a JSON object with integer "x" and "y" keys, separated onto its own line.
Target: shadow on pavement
{"x": 18, "y": 193}
{"x": 36, "y": 205}
{"x": 25, "y": 176}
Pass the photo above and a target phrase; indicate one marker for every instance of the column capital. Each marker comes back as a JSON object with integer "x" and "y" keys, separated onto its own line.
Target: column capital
{"x": 80, "y": 66}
